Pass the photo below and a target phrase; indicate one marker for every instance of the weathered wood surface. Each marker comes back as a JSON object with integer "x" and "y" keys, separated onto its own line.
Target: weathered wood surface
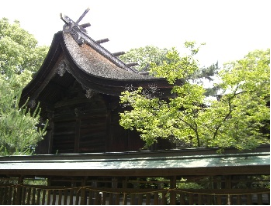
{"x": 75, "y": 196}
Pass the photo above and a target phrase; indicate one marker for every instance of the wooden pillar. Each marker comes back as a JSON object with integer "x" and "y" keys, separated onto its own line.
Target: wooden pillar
{"x": 228, "y": 187}
{"x": 108, "y": 138}
{"x": 19, "y": 191}
{"x": 83, "y": 191}
{"x": 114, "y": 184}
{"x": 172, "y": 192}
{"x": 50, "y": 133}
{"x": 124, "y": 186}
{"x": 228, "y": 182}
{"x": 77, "y": 130}
{"x": 49, "y": 181}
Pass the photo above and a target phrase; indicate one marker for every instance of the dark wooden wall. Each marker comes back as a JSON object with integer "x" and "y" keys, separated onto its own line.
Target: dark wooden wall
{"x": 85, "y": 125}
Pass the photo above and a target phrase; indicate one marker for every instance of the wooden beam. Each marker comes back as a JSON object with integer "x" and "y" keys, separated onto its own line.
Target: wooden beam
{"x": 102, "y": 41}
{"x": 19, "y": 191}
{"x": 82, "y": 16}
{"x": 132, "y": 64}
{"x": 85, "y": 25}
{"x": 83, "y": 191}
{"x": 116, "y": 54}
{"x": 172, "y": 192}
{"x": 244, "y": 170}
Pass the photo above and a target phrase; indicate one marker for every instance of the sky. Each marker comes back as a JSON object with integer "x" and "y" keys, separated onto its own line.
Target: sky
{"x": 230, "y": 28}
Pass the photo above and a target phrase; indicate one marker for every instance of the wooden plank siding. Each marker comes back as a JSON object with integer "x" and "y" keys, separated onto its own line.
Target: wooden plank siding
{"x": 90, "y": 126}
{"x": 78, "y": 124}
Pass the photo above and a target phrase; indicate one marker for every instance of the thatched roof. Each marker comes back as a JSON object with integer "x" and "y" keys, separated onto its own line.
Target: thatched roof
{"x": 74, "y": 56}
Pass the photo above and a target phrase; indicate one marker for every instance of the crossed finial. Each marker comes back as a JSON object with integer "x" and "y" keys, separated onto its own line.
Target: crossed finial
{"x": 69, "y": 23}
{"x": 82, "y": 16}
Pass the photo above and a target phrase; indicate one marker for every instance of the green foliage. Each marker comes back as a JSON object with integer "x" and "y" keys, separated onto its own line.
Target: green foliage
{"x": 18, "y": 49}
{"x": 18, "y": 127}
{"x": 149, "y": 56}
{"x": 36, "y": 181}
{"x": 20, "y": 57}
{"x": 144, "y": 56}
{"x": 183, "y": 184}
{"x": 234, "y": 120}
{"x": 176, "y": 68}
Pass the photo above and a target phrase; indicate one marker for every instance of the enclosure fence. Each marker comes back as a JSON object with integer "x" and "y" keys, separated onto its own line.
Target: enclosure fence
{"x": 21, "y": 194}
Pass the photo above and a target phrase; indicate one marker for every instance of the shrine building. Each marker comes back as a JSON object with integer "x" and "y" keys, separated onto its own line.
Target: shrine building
{"x": 86, "y": 157}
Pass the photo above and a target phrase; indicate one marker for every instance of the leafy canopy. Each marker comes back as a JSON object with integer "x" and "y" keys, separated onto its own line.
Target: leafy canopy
{"x": 149, "y": 55}
{"x": 144, "y": 56}
{"x": 234, "y": 120}
{"x": 20, "y": 57}
{"x": 18, "y": 49}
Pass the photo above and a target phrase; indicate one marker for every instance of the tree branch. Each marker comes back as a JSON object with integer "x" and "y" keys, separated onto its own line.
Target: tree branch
{"x": 193, "y": 128}
{"x": 230, "y": 110}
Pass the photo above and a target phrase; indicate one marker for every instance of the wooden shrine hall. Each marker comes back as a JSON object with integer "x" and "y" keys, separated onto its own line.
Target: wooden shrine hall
{"x": 78, "y": 88}
{"x": 86, "y": 157}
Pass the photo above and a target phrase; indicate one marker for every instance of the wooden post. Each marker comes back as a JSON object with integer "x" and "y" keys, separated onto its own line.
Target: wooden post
{"x": 38, "y": 196}
{"x": 108, "y": 130}
{"x": 155, "y": 201}
{"x": 43, "y": 197}
{"x": 33, "y": 196}
{"x": 23, "y": 196}
{"x": 54, "y": 197}
{"x": 219, "y": 200}
{"x": 228, "y": 186}
{"x": 172, "y": 192}
{"x": 19, "y": 191}
{"x": 164, "y": 202}
{"x": 182, "y": 198}
{"x": 28, "y": 195}
{"x": 59, "y": 197}
{"x": 114, "y": 183}
{"x": 77, "y": 131}
{"x": 124, "y": 186}
{"x": 65, "y": 197}
{"x": 148, "y": 199}
{"x": 71, "y": 196}
{"x": 48, "y": 197}
{"x": 249, "y": 199}
{"x": 77, "y": 196}
{"x": 50, "y": 133}
{"x": 260, "y": 199}
{"x": 83, "y": 191}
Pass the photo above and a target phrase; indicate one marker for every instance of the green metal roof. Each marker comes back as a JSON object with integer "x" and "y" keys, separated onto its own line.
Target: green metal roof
{"x": 214, "y": 160}
{"x": 173, "y": 162}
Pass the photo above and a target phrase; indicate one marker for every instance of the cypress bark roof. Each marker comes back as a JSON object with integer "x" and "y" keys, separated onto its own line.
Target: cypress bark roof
{"x": 99, "y": 62}
{"x": 72, "y": 51}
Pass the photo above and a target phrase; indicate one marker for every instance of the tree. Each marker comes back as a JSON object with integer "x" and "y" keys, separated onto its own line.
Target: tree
{"x": 18, "y": 49}
{"x": 18, "y": 126}
{"x": 145, "y": 56}
{"x": 234, "y": 120}
{"x": 20, "y": 57}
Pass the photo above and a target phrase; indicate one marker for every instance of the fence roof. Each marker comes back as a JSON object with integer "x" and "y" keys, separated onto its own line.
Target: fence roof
{"x": 174, "y": 162}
